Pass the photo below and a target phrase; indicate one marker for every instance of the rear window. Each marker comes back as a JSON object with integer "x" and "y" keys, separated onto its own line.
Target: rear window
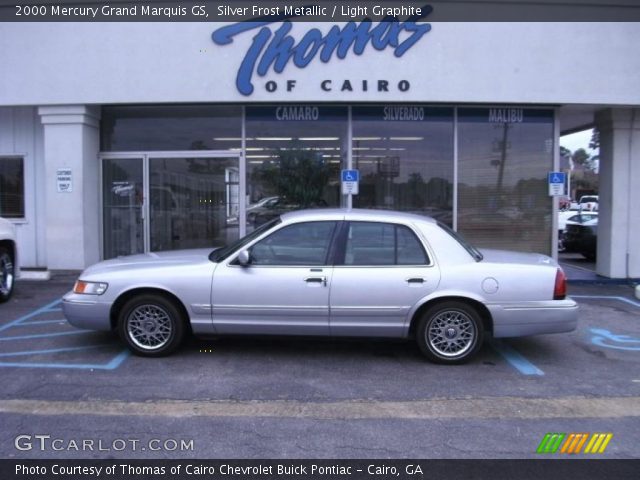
{"x": 372, "y": 243}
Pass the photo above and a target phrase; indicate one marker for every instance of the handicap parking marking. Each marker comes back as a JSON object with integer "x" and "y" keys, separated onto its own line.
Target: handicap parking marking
{"x": 31, "y": 320}
{"x": 604, "y": 338}
{"x": 515, "y": 358}
{"x": 111, "y": 365}
{"x": 49, "y": 308}
{"x": 608, "y": 297}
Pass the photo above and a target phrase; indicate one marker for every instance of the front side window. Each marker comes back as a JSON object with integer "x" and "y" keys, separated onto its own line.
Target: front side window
{"x": 371, "y": 243}
{"x": 299, "y": 244}
{"x": 12, "y": 187}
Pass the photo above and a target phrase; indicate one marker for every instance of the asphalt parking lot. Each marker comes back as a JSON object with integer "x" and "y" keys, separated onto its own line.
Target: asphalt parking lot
{"x": 314, "y": 398}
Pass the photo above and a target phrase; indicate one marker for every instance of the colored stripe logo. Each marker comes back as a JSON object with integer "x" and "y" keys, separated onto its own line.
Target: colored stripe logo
{"x": 573, "y": 443}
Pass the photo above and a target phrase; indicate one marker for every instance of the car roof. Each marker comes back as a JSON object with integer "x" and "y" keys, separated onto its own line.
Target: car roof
{"x": 354, "y": 214}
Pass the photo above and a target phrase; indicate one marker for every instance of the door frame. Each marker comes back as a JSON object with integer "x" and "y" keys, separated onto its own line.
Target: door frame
{"x": 145, "y": 156}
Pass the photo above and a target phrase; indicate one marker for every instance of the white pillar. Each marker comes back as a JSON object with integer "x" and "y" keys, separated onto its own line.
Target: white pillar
{"x": 72, "y": 141}
{"x": 619, "y": 190}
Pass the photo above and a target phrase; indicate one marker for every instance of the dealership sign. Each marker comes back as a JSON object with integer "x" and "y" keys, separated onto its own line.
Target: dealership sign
{"x": 274, "y": 48}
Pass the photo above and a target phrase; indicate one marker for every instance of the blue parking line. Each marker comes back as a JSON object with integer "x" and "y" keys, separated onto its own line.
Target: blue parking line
{"x": 40, "y": 322}
{"x": 43, "y": 335}
{"x": 609, "y": 297}
{"x": 52, "y": 350}
{"x": 515, "y": 358}
{"x": 47, "y": 308}
{"x": 112, "y": 365}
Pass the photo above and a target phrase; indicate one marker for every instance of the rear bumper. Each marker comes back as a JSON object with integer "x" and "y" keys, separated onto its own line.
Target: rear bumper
{"x": 85, "y": 312}
{"x": 534, "y": 318}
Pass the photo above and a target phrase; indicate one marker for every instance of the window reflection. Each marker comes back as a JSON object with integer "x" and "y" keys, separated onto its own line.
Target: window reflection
{"x": 504, "y": 157}
{"x": 294, "y": 156}
{"x": 175, "y": 127}
{"x": 405, "y": 158}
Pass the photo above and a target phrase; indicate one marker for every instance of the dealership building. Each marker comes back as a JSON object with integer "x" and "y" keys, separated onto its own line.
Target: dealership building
{"x": 123, "y": 138}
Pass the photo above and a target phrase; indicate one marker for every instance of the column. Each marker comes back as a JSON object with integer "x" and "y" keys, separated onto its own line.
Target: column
{"x": 619, "y": 190}
{"x": 72, "y": 142}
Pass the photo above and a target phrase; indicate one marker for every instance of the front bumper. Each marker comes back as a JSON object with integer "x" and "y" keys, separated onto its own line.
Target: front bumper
{"x": 86, "y": 311}
{"x": 534, "y": 318}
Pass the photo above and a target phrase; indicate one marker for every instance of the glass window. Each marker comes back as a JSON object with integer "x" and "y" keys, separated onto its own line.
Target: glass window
{"x": 165, "y": 128}
{"x": 298, "y": 244}
{"x": 12, "y": 187}
{"x": 294, "y": 155}
{"x": 503, "y": 161}
{"x": 371, "y": 243}
{"x": 405, "y": 157}
{"x": 193, "y": 202}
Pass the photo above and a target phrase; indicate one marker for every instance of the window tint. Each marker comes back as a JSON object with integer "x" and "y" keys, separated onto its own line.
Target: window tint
{"x": 383, "y": 244}
{"x": 299, "y": 244}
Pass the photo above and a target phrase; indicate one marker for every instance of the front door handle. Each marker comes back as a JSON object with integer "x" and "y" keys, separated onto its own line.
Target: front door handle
{"x": 322, "y": 280}
{"x": 415, "y": 280}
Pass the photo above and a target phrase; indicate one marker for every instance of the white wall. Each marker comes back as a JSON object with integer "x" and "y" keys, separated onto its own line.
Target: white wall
{"x": 102, "y": 63}
{"x": 21, "y": 134}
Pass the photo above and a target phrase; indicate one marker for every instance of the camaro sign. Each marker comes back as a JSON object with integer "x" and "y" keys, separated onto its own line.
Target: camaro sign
{"x": 274, "y": 48}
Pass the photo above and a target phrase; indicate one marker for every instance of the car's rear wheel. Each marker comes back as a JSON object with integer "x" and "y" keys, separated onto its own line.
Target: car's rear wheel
{"x": 450, "y": 332}
{"x": 7, "y": 275}
{"x": 151, "y": 325}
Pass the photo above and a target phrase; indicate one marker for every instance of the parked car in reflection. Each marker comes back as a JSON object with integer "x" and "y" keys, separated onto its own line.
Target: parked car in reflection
{"x": 582, "y": 238}
{"x": 277, "y": 206}
{"x": 329, "y": 272}
{"x": 8, "y": 259}
{"x": 588, "y": 203}
{"x": 571, "y": 218}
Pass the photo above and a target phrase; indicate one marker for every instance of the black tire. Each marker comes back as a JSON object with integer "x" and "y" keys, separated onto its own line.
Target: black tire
{"x": 151, "y": 325}
{"x": 440, "y": 337}
{"x": 7, "y": 275}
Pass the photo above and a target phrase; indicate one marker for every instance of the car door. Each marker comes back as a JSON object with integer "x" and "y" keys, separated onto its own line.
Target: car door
{"x": 284, "y": 289}
{"x": 382, "y": 272}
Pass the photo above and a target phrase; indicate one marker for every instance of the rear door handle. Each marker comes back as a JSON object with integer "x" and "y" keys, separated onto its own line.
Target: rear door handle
{"x": 415, "y": 280}
{"x": 322, "y": 280}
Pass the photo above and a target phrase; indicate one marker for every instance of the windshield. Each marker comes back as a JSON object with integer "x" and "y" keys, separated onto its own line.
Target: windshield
{"x": 222, "y": 253}
{"x": 473, "y": 251}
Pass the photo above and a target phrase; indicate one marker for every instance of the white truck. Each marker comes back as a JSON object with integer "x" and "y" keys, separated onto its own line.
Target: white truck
{"x": 8, "y": 259}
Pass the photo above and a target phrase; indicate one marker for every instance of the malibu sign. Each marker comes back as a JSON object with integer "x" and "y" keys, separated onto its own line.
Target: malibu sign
{"x": 276, "y": 49}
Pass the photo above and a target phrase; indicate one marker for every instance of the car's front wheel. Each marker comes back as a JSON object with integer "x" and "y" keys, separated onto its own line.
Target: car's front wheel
{"x": 151, "y": 325}
{"x": 450, "y": 332}
{"x": 7, "y": 275}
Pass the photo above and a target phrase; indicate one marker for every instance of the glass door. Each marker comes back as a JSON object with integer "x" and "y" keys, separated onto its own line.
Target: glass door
{"x": 170, "y": 201}
{"x": 123, "y": 206}
{"x": 194, "y": 201}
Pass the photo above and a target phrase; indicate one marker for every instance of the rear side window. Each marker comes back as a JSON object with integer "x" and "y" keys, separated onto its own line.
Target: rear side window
{"x": 370, "y": 243}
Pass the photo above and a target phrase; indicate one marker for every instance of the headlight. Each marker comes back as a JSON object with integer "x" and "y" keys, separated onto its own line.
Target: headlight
{"x": 90, "y": 288}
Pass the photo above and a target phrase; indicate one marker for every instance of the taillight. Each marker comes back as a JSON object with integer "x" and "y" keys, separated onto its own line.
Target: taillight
{"x": 560, "y": 288}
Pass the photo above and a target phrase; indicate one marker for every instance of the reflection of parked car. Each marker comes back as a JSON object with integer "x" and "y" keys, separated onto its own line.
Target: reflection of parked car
{"x": 589, "y": 203}
{"x": 330, "y": 272}
{"x": 8, "y": 259}
{"x": 275, "y": 207}
{"x": 582, "y": 238}
{"x": 571, "y": 218}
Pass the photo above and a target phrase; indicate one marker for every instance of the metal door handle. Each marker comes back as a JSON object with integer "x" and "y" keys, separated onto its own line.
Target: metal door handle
{"x": 415, "y": 280}
{"x": 322, "y": 280}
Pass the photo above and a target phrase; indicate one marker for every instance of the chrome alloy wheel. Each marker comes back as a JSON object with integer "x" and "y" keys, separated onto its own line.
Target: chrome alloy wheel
{"x": 6, "y": 274}
{"x": 149, "y": 327}
{"x": 451, "y": 333}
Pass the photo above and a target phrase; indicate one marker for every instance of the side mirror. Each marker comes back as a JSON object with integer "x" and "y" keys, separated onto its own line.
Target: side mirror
{"x": 244, "y": 258}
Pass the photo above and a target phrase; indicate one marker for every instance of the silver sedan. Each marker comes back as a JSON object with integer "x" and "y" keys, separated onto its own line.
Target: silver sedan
{"x": 333, "y": 273}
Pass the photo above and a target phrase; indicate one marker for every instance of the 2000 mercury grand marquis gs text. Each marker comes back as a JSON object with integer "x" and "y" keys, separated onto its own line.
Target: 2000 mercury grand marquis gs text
{"x": 329, "y": 272}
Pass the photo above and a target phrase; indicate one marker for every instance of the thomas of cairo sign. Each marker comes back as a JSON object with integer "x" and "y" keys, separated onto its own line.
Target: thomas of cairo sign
{"x": 274, "y": 50}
